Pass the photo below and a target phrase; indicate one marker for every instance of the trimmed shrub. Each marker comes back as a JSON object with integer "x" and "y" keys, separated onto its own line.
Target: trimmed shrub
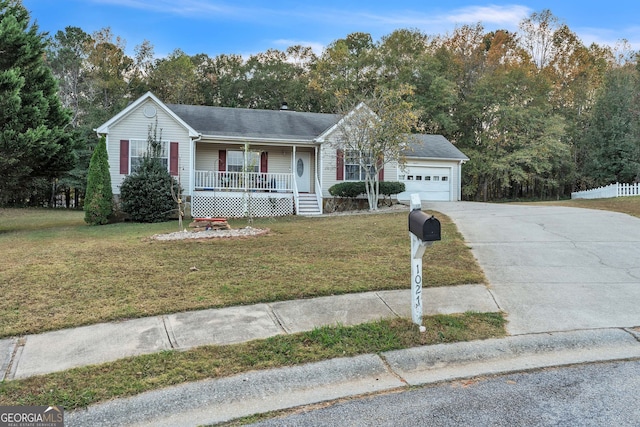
{"x": 356, "y": 188}
{"x": 146, "y": 194}
{"x": 389, "y": 188}
{"x": 348, "y": 189}
{"x": 98, "y": 202}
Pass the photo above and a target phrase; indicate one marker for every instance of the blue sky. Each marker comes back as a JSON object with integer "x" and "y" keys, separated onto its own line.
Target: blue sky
{"x": 246, "y": 27}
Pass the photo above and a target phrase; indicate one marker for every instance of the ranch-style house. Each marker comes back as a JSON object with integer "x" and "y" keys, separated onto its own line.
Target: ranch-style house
{"x": 232, "y": 161}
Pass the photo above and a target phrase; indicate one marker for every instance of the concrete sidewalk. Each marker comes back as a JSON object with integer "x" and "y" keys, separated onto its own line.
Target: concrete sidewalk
{"x": 88, "y": 345}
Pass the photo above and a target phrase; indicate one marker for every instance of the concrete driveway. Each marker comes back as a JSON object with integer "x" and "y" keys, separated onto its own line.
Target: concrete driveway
{"x": 554, "y": 268}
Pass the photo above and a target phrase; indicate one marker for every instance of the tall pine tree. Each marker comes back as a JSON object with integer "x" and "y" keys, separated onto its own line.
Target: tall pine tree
{"x": 35, "y": 146}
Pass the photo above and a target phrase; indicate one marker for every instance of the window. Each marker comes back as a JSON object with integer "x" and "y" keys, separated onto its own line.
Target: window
{"x": 445, "y": 178}
{"x": 418, "y": 177}
{"x": 235, "y": 161}
{"x": 436, "y": 178}
{"x": 138, "y": 148}
{"x": 427, "y": 178}
{"x": 353, "y": 171}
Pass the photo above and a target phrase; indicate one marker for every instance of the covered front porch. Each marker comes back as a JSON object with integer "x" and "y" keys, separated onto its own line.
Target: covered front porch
{"x": 235, "y": 181}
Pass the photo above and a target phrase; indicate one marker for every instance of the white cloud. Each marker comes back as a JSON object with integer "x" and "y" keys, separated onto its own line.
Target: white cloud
{"x": 509, "y": 16}
{"x": 184, "y": 8}
{"x": 499, "y": 15}
{"x": 608, "y": 37}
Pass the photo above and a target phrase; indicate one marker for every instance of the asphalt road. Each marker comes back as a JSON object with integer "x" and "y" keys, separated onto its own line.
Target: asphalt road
{"x": 602, "y": 394}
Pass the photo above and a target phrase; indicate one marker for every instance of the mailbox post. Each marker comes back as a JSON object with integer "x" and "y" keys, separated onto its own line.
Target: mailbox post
{"x": 423, "y": 231}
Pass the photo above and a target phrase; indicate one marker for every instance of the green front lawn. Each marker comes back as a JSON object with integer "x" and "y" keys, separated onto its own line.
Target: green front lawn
{"x": 57, "y": 272}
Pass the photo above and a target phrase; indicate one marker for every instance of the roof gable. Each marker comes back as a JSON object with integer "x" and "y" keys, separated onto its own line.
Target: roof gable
{"x": 104, "y": 128}
{"x": 360, "y": 108}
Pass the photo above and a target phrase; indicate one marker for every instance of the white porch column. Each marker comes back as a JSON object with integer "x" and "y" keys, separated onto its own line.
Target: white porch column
{"x": 192, "y": 163}
{"x": 316, "y": 172}
{"x": 246, "y": 166}
{"x": 320, "y": 171}
{"x": 293, "y": 160}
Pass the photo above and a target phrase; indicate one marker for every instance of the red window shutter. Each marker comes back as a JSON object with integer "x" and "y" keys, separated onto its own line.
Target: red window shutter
{"x": 263, "y": 162}
{"x": 222, "y": 160}
{"x": 173, "y": 159}
{"x": 124, "y": 156}
{"x": 381, "y": 175}
{"x": 340, "y": 165}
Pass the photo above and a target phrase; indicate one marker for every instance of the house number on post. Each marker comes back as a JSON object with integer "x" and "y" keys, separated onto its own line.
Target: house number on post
{"x": 416, "y": 292}
{"x": 423, "y": 231}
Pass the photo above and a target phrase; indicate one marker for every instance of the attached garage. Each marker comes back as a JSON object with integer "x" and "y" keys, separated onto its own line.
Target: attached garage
{"x": 432, "y": 183}
{"x": 432, "y": 169}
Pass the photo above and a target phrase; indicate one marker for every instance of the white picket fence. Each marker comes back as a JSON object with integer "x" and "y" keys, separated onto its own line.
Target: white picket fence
{"x": 613, "y": 190}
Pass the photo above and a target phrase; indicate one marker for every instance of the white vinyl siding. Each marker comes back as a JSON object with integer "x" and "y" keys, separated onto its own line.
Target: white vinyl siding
{"x": 135, "y": 126}
{"x": 280, "y": 160}
{"x": 206, "y": 157}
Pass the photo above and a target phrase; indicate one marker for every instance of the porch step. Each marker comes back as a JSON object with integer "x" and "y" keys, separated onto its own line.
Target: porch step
{"x": 308, "y": 205}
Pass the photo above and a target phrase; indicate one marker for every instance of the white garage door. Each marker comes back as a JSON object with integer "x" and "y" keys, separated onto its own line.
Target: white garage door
{"x": 431, "y": 183}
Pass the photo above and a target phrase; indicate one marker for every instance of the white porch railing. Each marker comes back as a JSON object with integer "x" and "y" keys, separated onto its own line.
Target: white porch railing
{"x": 243, "y": 181}
{"x": 613, "y": 190}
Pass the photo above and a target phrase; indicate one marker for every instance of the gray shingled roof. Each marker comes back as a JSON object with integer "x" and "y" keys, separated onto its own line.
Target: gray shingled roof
{"x": 433, "y": 147}
{"x": 243, "y": 122}
{"x": 291, "y": 125}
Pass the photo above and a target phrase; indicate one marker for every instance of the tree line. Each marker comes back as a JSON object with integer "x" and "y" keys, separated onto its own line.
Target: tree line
{"x": 538, "y": 112}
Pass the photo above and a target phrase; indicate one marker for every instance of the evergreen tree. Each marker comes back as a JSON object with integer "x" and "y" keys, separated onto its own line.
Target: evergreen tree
{"x": 35, "y": 146}
{"x": 146, "y": 194}
{"x": 98, "y": 203}
{"x": 612, "y": 147}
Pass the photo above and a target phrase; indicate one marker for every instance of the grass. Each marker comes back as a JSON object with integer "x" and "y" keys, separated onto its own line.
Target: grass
{"x": 38, "y": 219}
{"x": 57, "y": 272}
{"x": 80, "y": 387}
{"x": 628, "y": 205}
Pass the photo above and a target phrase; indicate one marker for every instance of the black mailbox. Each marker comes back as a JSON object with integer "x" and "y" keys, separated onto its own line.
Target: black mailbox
{"x": 423, "y": 226}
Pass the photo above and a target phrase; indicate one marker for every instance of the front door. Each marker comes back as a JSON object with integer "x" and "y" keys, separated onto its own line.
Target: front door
{"x": 303, "y": 172}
